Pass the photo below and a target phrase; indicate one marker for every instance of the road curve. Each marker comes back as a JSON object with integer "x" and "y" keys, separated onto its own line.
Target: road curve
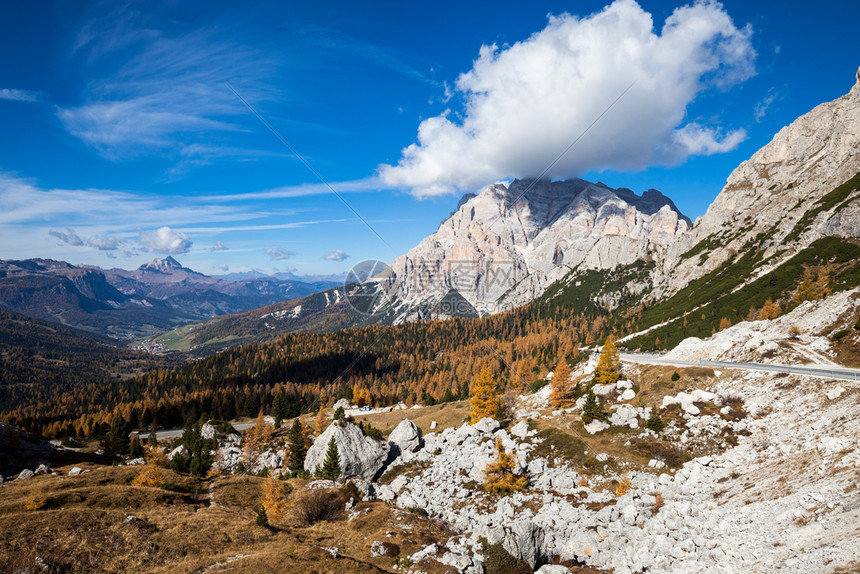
{"x": 840, "y": 373}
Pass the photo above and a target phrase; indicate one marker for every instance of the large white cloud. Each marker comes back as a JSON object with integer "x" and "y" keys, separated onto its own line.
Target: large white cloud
{"x": 526, "y": 103}
{"x": 165, "y": 240}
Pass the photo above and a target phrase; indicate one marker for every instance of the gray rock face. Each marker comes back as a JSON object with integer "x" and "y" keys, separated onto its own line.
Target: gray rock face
{"x": 525, "y": 236}
{"x": 406, "y": 437}
{"x": 773, "y": 190}
{"x": 359, "y": 454}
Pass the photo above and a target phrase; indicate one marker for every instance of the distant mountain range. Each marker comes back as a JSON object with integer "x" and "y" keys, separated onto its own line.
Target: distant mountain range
{"x": 123, "y": 304}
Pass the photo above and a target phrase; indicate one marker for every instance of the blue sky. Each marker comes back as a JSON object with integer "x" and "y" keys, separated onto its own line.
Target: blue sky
{"x": 122, "y": 140}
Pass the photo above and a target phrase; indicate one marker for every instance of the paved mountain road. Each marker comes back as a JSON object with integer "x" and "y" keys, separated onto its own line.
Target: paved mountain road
{"x": 825, "y": 371}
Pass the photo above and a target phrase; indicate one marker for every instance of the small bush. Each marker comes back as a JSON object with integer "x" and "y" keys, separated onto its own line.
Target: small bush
{"x": 857, "y": 325}
{"x": 794, "y": 332}
{"x": 839, "y": 334}
{"x": 625, "y": 485}
{"x": 675, "y": 376}
{"x": 658, "y": 502}
{"x": 654, "y": 422}
{"x": 318, "y": 505}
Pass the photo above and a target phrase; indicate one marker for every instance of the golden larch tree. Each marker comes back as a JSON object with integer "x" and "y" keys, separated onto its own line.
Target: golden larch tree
{"x": 485, "y": 399}
{"x": 499, "y": 475}
{"x": 561, "y": 396}
{"x": 274, "y": 502}
{"x": 607, "y": 370}
{"x": 770, "y": 310}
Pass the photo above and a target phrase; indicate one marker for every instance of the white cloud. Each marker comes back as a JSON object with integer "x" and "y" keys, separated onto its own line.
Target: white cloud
{"x": 336, "y": 255}
{"x": 104, "y": 242}
{"x": 764, "y": 104}
{"x": 219, "y": 246}
{"x": 278, "y": 254}
{"x": 69, "y": 237}
{"x": 165, "y": 240}
{"x": 19, "y": 95}
{"x": 526, "y": 103}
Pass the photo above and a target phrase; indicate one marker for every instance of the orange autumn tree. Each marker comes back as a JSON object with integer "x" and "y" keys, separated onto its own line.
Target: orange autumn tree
{"x": 770, "y": 310}
{"x": 500, "y": 476}
{"x": 274, "y": 502}
{"x": 608, "y": 367}
{"x": 485, "y": 399}
{"x": 562, "y": 389}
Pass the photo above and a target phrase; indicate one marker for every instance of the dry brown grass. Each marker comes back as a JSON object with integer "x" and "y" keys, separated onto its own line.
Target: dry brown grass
{"x": 446, "y": 415}
{"x": 82, "y": 527}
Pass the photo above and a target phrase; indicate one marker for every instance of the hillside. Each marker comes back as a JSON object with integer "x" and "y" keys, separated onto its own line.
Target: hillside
{"x": 39, "y": 360}
{"x": 127, "y": 304}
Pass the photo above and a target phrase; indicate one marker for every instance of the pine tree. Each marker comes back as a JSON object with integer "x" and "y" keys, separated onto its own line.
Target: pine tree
{"x": 330, "y": 468}
{"x": 608, "y": 367}
{"x": 813, "y": 289}
{"x": 654, "y": 422}
{"x": 592, "y": 409}
{"x": 118, "y": 435}
{"x": 562, "y": 390}
{"x": 152, "y": 441}
{"x": 297, "y": 448}
{"x": 485, "y": 400}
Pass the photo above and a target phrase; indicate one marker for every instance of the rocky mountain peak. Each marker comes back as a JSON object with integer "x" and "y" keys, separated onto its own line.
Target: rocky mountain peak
{"x": 506, "y": 245}
{"x": 166, "y": 265}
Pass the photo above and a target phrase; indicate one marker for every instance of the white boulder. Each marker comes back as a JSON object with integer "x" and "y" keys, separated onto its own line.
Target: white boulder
{"x": 406, "y": 437}
{"x": 359, "y": 454}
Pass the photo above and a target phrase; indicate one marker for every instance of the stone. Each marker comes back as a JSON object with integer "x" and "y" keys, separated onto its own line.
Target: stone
{"x": 835, "y": 393}
{"x": 377, "y": 549}
{"x": 596, "y": 426}
{"x": 42, "y": 469}
{"x": 520, "y": 430}
{"x": 25, "y": 474}
{"x": 602, "y": 457}
{"x": 335, "y": 552}
{"x": 75, "y": 471}
{"x": 136, "y": 461}
{"x": 552, "y": 569}
{"x": 433, "y": 425}
{"x": 406, "y": 437}
{"x": 342, "y": 404}
{"x": 627, "y": 395}
{"x": 525, "y": 541}
{"x": 424, "y": 553}
{"x": 178, "y": 451}
{"x": 360, "y": 455}
{"x": 487, "y": 425}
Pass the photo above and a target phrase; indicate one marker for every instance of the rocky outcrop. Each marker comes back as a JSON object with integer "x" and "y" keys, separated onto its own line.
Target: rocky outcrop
{"x": 359, "y": 454}
{"x": 406, "y": 437}
{"x": 767, "y": 196}
{"x": 505, "y": 246}
{"x": 22, "y": 451}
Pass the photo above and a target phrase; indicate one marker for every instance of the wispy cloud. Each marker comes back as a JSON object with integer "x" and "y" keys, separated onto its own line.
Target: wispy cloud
{"x": 169, "y": 94}
{"x": 19, "y": 95}
{"x": 336, "y": 255}
{"x": 278, "y": 254}
{"x": 336, "y": 40}
{"x": 219, "y": 247}
{"x": 762, "y": 106}
{"x": 69, "y": 237}
{"x": 289, "y": 191}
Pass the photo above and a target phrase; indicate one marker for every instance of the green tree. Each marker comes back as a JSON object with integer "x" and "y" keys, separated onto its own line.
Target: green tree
{"x": 654, "y": 422}
{"x": 330, "y": 468}
{"x": 118, "y": 435}
{"x": 153, "y": 436}
{"x": 135, "y": 449}
{"x": 339, "y": 414}
{"x": 296, "y": 461}
{"x": 592, "y": 409}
